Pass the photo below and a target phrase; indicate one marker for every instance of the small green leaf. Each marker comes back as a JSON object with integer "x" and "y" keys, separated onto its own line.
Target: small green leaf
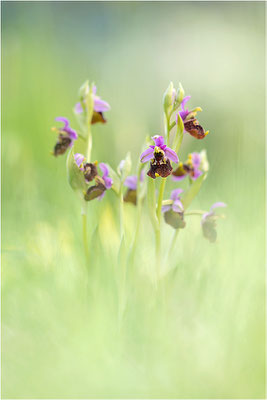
{"x": 192, "y": 191}
{"x": 75, "y": 175}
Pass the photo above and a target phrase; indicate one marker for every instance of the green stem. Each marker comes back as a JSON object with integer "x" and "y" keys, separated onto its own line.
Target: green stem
{"x": 176, "y": 232}
{"x": 121, "y": 212}
{"x": 134, "y": 242}
{"x": 89, "y": 144}
{"x": 167, "y": 127}
{"x": 195, "y": 212}
{"x": 158, "y": 256}
{"x": 85, "y": 242}
{"x": 160, "y": 198}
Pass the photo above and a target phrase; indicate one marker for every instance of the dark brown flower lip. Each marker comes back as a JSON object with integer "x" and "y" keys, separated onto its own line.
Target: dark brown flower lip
{"x": 193, "y": 127}
{"x": 176, "y": 220}
{"x": 90, "y": 171}
{"x": 94, "y": 191}
{"x": 209, "y": 230}
{"x": 98, "y": 117}
{"x": 130, "y": 196}
{"x": 63, "y": 143}
{"x": 162, "y": 168}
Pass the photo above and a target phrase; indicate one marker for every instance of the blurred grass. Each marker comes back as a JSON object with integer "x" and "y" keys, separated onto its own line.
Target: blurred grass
{"x": 59, "y": 321}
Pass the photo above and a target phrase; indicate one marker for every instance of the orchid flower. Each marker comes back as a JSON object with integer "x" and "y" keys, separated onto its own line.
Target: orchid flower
{"x": 160, "y": 156}
{"x": 66, "y": 137}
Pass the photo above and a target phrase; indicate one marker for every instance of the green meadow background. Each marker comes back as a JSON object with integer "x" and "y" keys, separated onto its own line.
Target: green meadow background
{"x": 60, "y": 334}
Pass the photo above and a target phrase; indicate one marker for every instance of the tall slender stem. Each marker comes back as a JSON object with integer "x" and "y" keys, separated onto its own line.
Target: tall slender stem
{"x": 176, "y": 232}
{"x": 85, "y": 243}
{"x": 160, "y": 198}
{"x": 121, "y": 213}
{"x": 88, "y": 150}
{"x": 89, "y": 144}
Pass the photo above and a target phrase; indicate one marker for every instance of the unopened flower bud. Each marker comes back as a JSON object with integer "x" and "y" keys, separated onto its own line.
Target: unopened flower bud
{"x": 169, "y": 98}
{"x": 180, "y": 93}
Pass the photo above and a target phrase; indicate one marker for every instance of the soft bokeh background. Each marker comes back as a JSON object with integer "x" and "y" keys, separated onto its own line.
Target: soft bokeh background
{"x": 60, "y": 336}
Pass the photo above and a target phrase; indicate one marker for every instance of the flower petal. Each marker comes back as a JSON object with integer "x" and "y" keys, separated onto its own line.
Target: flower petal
{"x": 94, "y": 89}
{"x": 108, "y": 181}
{"x": 218, "y": 204}
{"x": 104, "y": 169}
{"x": 66, "y": 128}
{"x": 175, "y": 193}
{"x": 159, "y": 141}
{"x": 131, "y": 182}
{"x": 64, "y": 120}
{"x": 185, "y": 100}
{"x": 100, "y": 105}
{"x": 197, "y": 174}
{"x": 205, "y": 216}
{"x": 165, "y": 208}
{"x": 171, "y": 155}
{"x": 178, "y": 178}
{"x": 177, "y": 206}
{"x": 196, "y": 159}
{"x": 147, "y": 155}
{"x": 79, "y": 158}
{"x": 78, "y": 108}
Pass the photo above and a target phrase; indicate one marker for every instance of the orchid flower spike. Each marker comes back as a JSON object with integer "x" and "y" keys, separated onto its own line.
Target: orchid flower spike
{"x": 191, "y": 124}
{"x": 194, "y": 167}
{"x": 66, "y": 137}
{"x": 100, "y": 106}
{"x": 173, "y": 212}
{"x": 131, "y": 183}
{"x": 90, "y": 173}
{"x": 160, "y": 156}
{"x": 208, "y": 222}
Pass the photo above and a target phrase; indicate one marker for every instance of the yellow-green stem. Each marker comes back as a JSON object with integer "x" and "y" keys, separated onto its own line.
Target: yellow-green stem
{"x": 160, "y": 198}
{"x": 176, "y": 232}
{"x": 158, "y": 256}
{"x": 121, "y": 212}
{"x": 85, "y": 242}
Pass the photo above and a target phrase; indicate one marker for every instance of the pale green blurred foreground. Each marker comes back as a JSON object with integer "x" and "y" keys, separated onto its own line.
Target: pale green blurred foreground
{"x": 203, "y": 338}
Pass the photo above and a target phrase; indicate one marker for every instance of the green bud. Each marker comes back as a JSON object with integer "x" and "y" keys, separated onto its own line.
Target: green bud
{"x": 124, "y": 167}
{"x": 84, "y": 90}
{"x": 180, "y": 93}
{"x": 168, "y": 98}
{"x": 74, "y": 174}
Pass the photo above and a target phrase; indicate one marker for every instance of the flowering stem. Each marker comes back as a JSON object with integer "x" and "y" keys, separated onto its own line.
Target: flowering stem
{"x": 176, "y": 232}
{"x": 121, "y": 212}
{"x": 85, "y": 244}
{"x": 89, "y": 144}
{"x": 167, "y": 127}
{"x": 195, "y": 212}
{"x": 160, "y": 198}
{"x": 138, "y": 220}
{"x": 158, "y": 255}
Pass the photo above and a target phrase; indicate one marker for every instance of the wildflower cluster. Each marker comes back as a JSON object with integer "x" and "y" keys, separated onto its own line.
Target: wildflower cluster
{"x": 158, "y": 161}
